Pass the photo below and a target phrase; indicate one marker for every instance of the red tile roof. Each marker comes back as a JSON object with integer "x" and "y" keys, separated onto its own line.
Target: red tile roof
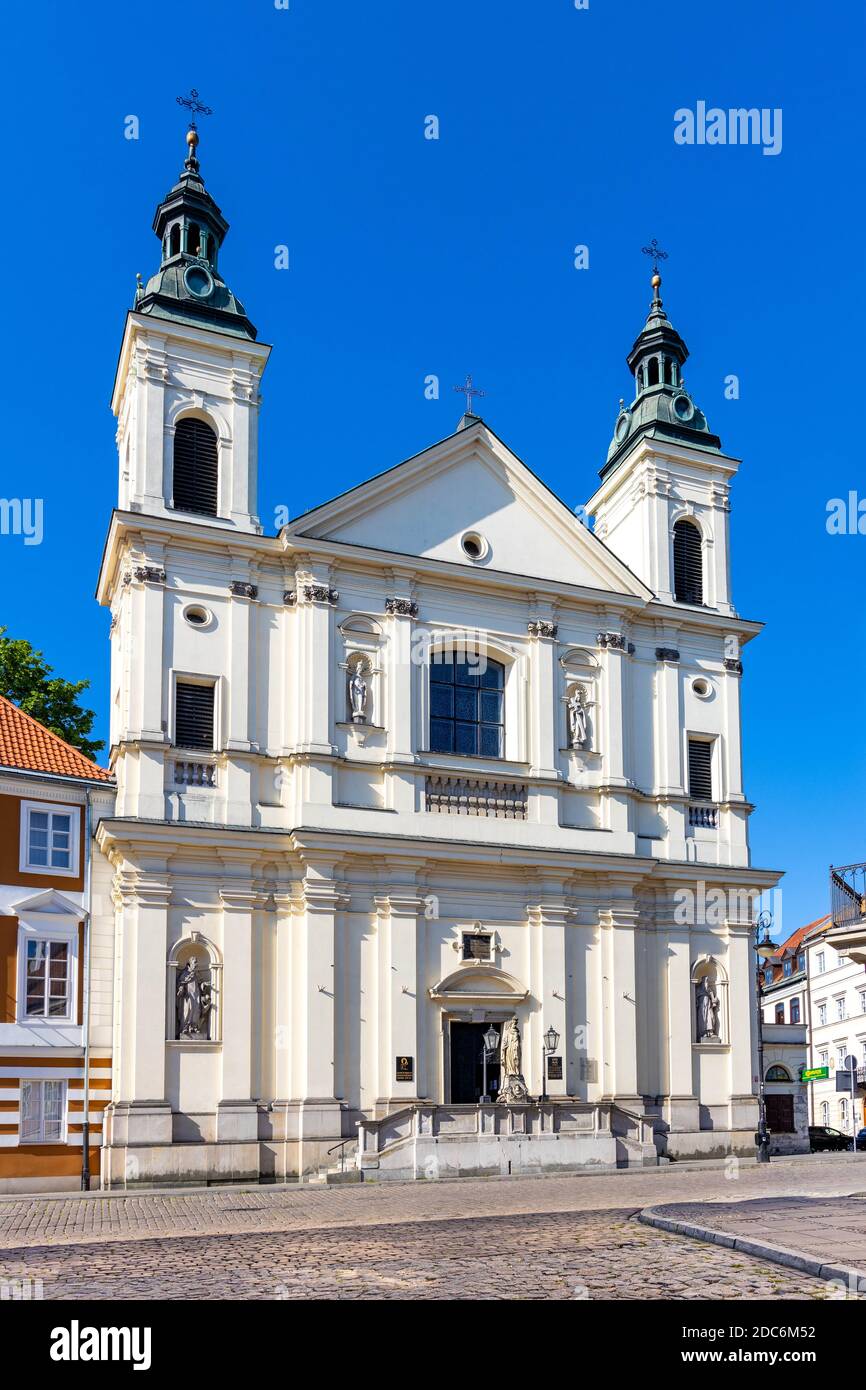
{"x": 799, "y": 936}
{"x": 28, "y": 745}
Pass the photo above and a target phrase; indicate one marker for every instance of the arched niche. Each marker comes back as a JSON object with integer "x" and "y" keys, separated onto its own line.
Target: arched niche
{"x": 194, "y": 991}
{"x": 709, "y": 1004}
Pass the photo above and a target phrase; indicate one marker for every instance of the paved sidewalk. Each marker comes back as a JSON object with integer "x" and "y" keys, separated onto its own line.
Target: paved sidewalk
{"x": 41, "y": 1220}
{"x": 831, "y": 1231}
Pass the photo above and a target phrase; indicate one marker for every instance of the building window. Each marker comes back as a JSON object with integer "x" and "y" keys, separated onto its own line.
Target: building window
{"x": 841, "y": 1054}
{"x": 843, "y": 1114}
{"x": 777, "y": 1073}
{"x": 823, "y": 1057}
{"x": 768, "y": 977}
{"x": 477, "y": 945}
{"x": 780, "y": 1113}
{"x": 194, "y": 715}
{"x": 795, "y": 1011}
{"x": 49, "y": 839}
{"x": 801, "y": 961}
{"x": 467, "y": 707}
{"x": 825, "y": 1112}
{"x": 46, "y": 978}
{"x": 820, "y": 962}
{"x": 196, "y": 470}
{"x": 787, "y": 968}
{"x": 688, "y": 567}
{"x": 780, "y": 1013}
{"x": 863, "y": 1001}
{"x": 700, "y": 769}
{"x": 42, "y": 1112}
{"x": 840, "y": 1008}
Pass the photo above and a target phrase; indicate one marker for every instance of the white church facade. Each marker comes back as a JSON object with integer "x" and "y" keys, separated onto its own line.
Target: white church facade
{"x": 434, "y": 758}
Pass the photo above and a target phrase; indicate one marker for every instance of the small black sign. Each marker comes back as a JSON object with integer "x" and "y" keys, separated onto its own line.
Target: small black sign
{"x": 405, "y": 1068}
{"x": 554, "y": 1068}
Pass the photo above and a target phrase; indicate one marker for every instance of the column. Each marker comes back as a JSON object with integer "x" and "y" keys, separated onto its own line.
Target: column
{"x": 401, "y": 1004}
{"x": 620, "y": 924}
{"x": 315, "y": 656}
{"x": 682, "y": 1103}
{"x": 400, "y": 703}
{"x": 548, "y": 919}
{"x": 616, "y": 730}
{"x": 140, "y": 1114}
{"x": 316, "y": 1000}
{"x": 236, "y": 732}
{"x": 237, "y": 1116}
{"x": 148, "y": 699}
{"x": 544, "y": 717}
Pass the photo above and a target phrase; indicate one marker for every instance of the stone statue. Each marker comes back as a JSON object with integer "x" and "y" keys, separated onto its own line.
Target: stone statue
{"x": 358, "y": 696}
{"x": 708, "y": 1008}
{"x": 577, "y": 728}
{"x": 194, "y": 1002}
{"x": 512, "y": 1087}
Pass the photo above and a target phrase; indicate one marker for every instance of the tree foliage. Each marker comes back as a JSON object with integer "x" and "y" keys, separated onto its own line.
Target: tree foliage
{"x": 29, "y": 682}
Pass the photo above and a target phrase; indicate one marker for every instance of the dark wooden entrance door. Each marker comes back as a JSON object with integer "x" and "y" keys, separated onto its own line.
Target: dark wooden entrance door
{"x": 467, "y": 1067}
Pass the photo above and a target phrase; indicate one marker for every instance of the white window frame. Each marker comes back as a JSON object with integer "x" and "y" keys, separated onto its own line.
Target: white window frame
{"x": 68, "y": 934}
{"x": 822, "y": 1014}
{"x": 820, "y": 963}
{"x": 42, "y": 1137}
{"x": 50, "y": 808}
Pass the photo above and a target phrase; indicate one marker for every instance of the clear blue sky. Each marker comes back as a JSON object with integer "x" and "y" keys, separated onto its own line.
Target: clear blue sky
{"x": 411, "y": 257}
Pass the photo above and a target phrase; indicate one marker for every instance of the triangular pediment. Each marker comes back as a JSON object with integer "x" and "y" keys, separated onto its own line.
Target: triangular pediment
{"x": 46, "y": 904}
{"x": 471, "y": 482}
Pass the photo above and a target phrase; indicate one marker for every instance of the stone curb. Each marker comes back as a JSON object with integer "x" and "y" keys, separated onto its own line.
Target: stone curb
{"x": 778, "y": 1254}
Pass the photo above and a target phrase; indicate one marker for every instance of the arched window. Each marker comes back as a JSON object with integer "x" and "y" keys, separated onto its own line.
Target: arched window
{"x": 825, "y": 1112}
{"x": 195, "y": 467}
{"x": 174, "y": 240}
{"x": 653, "y": 371}
{"x": 467, "y": 706}
{"x": 193, "y": 239}
{"x": 688, "y": 564}
{"x": 777, "y": 1074}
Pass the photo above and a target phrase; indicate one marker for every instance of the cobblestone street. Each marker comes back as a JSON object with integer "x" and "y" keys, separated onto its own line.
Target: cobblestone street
{"x": 546, "y": 1238}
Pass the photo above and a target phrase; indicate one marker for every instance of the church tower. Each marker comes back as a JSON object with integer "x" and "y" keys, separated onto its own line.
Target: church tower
{"x": 663, "y": 503}
{"x": 186, "y": 395}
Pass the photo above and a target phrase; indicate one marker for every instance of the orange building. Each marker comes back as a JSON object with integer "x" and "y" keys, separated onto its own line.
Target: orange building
{"x": 56, "y": 957}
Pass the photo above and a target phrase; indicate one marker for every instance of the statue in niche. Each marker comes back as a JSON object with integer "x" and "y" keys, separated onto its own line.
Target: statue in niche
{"x": 358, "y": 694}
{"x": 708, "y": 1010}
{"x": 577, "y": 720}
{"x": 194, "y": 1002}
{"x": 512, "y": 1087}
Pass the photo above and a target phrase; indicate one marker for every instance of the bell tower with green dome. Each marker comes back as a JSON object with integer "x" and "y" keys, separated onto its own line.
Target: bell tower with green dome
{"x": 663, "y": 505}
{"x": 186, "y": 394}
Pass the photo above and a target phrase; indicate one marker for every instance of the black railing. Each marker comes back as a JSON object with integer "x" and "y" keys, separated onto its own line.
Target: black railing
{"x": 848, "y": 894}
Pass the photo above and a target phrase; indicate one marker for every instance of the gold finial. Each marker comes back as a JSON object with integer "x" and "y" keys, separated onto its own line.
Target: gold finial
{"x": 192, "y": 137}
{"x": 656, "y": 281}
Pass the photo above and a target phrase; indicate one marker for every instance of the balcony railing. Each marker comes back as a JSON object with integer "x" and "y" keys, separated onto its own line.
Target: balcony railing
{"x": 705, "y": 817}
{"x": 848, "y": 894}
{"x": 465, "y": 796}
{"x": 188, "y": 773}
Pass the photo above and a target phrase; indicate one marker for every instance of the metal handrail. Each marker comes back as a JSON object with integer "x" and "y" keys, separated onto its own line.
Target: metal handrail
{"x": 342, "y": 1147}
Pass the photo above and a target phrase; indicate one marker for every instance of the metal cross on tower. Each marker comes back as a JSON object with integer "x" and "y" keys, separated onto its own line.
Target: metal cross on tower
{"x": 469, "y": 391}
{"x": 656, "y": 252}
{"x": 195, "y": 106}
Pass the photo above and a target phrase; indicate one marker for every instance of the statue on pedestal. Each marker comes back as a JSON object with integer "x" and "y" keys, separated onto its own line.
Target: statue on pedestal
{"x": 708, "y": 1010}
{"x": 358, "y": 695}
{"x": 577, "y": 726}
{"x": 512, "y": 1087}
{"x": 194, "y": 1002}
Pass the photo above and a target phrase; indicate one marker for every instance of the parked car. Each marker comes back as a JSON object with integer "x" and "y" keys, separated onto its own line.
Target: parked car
{"x": 823, "y": 1139}
{"x": 861, "y": 1138}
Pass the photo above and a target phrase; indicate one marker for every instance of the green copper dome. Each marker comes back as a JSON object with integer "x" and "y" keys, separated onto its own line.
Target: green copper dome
{"x": 662, "y": 407}
{"x": 188, "y": 287}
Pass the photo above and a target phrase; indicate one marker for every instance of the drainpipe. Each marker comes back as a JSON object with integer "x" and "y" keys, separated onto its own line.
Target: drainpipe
{"x": 85, "y": 965}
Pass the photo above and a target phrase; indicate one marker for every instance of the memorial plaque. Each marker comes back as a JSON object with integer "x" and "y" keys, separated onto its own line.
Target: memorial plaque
{"x": 476, "y": 947}
{"x": 405, "y": 1068}
{"x": 554, "y": 1068}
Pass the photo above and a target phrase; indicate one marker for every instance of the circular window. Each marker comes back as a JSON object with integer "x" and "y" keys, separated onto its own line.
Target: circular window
{"x": 683, "y": 407}
{"x": 197, "y": 616}
{"x": 702, "y": 688}
{"x": 198, "y": 281}
{"x": 622, "y": 427}
{"x": 474, "y": 545}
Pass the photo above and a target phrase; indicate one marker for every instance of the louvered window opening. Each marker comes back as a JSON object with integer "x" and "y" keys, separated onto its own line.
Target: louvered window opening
{"x": 196, "y": 469}
{"x": 193, "y": 724}
{"x": 688, "y": 564}
{"x": 700, "y": 769}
